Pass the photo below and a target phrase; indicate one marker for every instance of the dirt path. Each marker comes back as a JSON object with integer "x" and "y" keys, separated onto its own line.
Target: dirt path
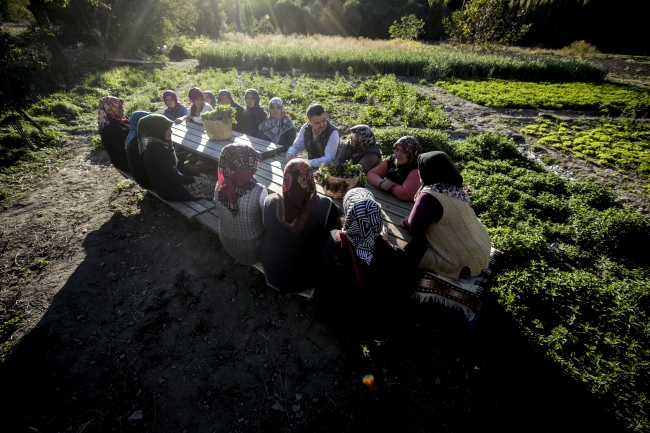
{"x": 139, "y": 314}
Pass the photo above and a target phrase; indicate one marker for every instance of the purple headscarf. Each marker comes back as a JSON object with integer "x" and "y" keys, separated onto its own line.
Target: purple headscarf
{"x": 175, "y": 98}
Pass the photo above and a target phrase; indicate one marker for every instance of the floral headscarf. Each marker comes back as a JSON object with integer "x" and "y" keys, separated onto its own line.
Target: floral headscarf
{"x": 363, "y": 222}
{"x": 439, "y": 174}
{"x": 152, "y": 128}
{"x": 109, "y": 107}
{"x": 365, "y": 139}
{"x": 399, "y": 173}
{"x": 274, "y": 128}
{"x": 225, "y": 92}
{"x": 175, "y": 98}
{"x": 294, "y": 204}
{"x": 237, "y": 166}
{"x": 194, "y": 94}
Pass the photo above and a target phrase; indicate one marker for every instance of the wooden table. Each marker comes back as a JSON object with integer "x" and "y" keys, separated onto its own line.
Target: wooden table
{"x": 192, "y": 137}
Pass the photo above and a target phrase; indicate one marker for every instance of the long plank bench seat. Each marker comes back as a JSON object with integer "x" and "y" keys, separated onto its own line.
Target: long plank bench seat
{"x": 189, "y": 209}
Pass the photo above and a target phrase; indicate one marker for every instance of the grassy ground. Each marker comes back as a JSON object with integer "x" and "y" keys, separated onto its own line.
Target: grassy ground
{"x": 576, "y": 275}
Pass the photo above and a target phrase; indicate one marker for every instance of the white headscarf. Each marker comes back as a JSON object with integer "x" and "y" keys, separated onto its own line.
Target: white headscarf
{"x": 274, "y": 128}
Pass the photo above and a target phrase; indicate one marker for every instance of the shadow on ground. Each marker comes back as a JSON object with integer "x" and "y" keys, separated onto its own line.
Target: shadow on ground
{"x": 158, "y": 323}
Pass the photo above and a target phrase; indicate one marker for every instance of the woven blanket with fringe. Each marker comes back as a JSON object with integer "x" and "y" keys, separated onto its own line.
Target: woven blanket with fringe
{"x": 463, "y": 294}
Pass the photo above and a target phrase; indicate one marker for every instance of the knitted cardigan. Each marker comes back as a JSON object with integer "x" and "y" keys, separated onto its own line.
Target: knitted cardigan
{"x": 458, "y": 240}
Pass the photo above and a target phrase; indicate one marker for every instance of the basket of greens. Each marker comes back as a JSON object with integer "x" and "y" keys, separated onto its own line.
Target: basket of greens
{"x": 338, "y": 178}
{"x": 218, "y": 122}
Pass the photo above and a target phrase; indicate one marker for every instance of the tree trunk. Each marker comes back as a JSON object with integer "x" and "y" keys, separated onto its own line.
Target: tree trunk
{"x": 237, "y": 16}
{"x": 37, "y": 8}
{"x": 436, "y": 14}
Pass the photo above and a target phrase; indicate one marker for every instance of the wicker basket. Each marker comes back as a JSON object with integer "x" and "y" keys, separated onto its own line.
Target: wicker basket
{"x": 336, "y": 187}
{"x": 218, "y": 130}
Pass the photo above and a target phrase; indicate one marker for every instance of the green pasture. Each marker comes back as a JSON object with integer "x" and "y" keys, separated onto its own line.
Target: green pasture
{"x": 615, "y": 142}
{"x": 607, "y": 98}
{"x": 428, "y": 62}
{"x": 575, "y": 276}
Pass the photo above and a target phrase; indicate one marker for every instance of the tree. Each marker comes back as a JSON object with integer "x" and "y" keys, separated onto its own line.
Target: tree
{"x": 485, "y": 22}
{"x": 436, "y": 14}
{"x": 96, "y": 18}
{"x": 410, "y": 28}
{"x": 38, "y": 8}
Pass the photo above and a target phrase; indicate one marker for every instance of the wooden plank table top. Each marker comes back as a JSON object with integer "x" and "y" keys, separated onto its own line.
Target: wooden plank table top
{"x": 270, "y": 174}
{"x": 192, "y": 136}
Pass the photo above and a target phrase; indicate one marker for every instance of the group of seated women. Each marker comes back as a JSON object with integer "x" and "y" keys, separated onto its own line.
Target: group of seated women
{"x": 301, "y": 238}
{"x": 348, "y": 264}
{"x": 251, "y": 119}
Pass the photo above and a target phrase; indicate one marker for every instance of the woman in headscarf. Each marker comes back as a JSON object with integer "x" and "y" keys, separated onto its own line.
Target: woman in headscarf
{"x": 210, "y": 98}
{"x": 253, "y": 113}
{"x": 197, "y": 98}
{"x": 161, "y": 164}
{"x": 361, "y": 148}
{"x": 175, "y": 110}
{"x": 113, "y": 126}
{"x": 297, "y": 222}
{"x": 136, "y": 162}
{"x": 225, "y": 98}
{"x": 448, "y": 238}
{"x": 399, "y": 172}
{"x": 364, "y": 278}
{"x": 240, "y": 200}
{"x": 278, "y": 127}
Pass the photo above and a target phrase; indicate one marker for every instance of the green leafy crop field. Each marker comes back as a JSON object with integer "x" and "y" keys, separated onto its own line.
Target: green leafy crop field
{"x": 612, "y": 99}
{"x": 576, "y": 276}
{"x": 425, "y": 61}
{"x": 614, "y": 142}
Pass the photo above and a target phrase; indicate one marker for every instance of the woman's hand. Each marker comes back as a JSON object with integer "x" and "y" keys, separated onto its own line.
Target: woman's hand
{"x": 201, "y": 177}
{"x": 289, "y": 157}
{"x": 387, "y": 184}
{"x": 384, "y": 232}
{"x": 404, "y": 222}
{"x": 188, "y": 119}
{"x": 179, "y": 121}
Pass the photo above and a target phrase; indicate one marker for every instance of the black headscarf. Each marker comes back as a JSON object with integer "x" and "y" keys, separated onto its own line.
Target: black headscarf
{"x": 438, "y": 168}
{"x": 399, "y": 173}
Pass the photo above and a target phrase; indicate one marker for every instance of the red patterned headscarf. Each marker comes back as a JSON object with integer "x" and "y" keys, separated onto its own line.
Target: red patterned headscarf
{"x": 109, "y": 107}
{"x": 237, "y": 166}
{"x": 294, "y": 204}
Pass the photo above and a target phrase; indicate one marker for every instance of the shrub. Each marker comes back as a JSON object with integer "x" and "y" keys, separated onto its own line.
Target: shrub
{"x": 409, "y": 28}
{"x": 485, "y": 22}
{"x": 580, "y": 48}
